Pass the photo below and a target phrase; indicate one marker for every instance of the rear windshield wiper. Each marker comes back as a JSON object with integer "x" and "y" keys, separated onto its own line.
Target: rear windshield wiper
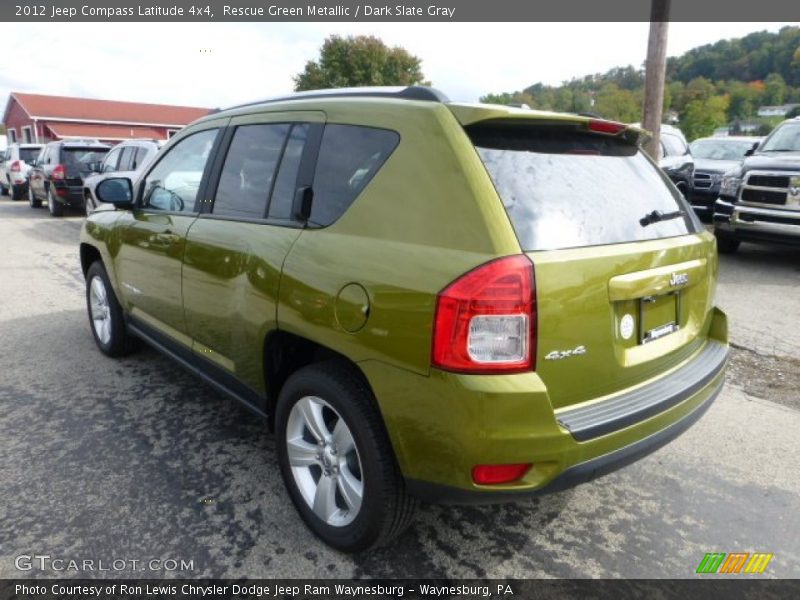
{"x": 657, "y": 216}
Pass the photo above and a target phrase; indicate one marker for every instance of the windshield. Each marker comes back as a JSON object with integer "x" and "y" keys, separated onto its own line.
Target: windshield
{"x": 566, "y": 189}
{"x": 786, "y": 138}
{"x": 721, "y": 149}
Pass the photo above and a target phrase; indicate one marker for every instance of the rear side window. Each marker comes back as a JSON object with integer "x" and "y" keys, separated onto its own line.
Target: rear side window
{"x": 565, "y": 188}
{"x": 247, "y": 175}
{"x": 349, "y": 157}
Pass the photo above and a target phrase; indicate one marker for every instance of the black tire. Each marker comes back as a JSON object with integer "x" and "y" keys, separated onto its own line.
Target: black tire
{"x": 119, "y": 341}
{"x": 386, "y": 508}
{"x": 54, "y": 206}
{"x": 3, "y": 189}
{"x": 16, "y": 192}
{"x": 727, "y": 245}
{"x": 32, "y": 199}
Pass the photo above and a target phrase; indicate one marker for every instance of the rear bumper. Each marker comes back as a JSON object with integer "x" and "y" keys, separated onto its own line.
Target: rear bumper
{"x": 71, "y": 195}
{"x": 756, "y": 224}
{"x": 572, "y": 476}
{"x": 444, "y": 424}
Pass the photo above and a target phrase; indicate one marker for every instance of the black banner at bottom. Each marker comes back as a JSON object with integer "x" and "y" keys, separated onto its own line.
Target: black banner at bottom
{"x": 372, "y": 589}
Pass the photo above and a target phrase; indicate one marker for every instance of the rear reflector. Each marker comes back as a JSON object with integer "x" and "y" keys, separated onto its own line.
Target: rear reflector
{"x": 611, "y": 127}
{"x": 494, "y": 474}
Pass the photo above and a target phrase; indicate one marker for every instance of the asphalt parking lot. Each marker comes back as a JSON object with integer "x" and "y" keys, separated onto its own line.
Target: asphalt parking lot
{"x": 137, "y": 460}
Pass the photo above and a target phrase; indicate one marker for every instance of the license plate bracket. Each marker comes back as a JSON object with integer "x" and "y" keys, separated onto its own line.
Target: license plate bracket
{"x": 658, "y": 316}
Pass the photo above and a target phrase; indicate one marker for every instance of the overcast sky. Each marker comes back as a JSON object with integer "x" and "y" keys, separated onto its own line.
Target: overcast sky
{"x": 220, "y": 64}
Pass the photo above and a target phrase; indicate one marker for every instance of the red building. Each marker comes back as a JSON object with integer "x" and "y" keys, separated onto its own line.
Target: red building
{"x": 37, "y": 118}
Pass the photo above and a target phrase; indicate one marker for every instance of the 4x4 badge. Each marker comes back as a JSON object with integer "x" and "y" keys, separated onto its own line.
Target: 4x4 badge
{"x": 679, "y": 279}
{"x": 559, "y": 354}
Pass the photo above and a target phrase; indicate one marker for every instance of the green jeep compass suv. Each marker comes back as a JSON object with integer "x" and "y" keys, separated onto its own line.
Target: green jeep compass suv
{"x": 427, "y": 300}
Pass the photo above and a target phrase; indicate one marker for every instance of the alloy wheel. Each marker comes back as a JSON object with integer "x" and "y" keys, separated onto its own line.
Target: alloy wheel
{"x": 324, "y": 461}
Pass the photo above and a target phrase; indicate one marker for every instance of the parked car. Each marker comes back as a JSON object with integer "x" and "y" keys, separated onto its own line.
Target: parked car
{"x": 759, "y": 201}
{"x": 126, "y": 159}
{"x": 713, "y": 157}
{"x": 58, "y": 172}
{"x": 426, "y": 299}
{"x": 676, "y": 159}
{"x": 15, "y": 166}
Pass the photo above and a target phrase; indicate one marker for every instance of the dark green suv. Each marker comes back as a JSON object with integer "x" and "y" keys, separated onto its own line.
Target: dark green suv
{"x": 426, "y": 300}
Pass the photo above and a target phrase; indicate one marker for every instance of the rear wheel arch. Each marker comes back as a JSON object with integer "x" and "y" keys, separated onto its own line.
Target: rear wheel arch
{"x": 285, "y": 353}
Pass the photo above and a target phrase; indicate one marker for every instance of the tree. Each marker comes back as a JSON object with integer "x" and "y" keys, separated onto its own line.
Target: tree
{"x": 795, "y": 112}
{"x": 775, "y": 92}
{"x": 359, "y": 61}
{"x": 702, "y": 117}
{"x": 507, "y": 98}
{"x": 617, "y": 104}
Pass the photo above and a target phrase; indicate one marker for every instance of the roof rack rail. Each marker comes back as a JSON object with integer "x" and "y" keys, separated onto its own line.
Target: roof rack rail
{"x": 411, "y": 92}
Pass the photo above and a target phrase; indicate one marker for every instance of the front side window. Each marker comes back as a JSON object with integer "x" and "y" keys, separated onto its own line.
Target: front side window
{"x": 565, "y": 189}
{"x": 174, "y": 182}
{"x": 246, "y": 178}
{"x": 110, "y": 163}
{"x": 349, "y": 157}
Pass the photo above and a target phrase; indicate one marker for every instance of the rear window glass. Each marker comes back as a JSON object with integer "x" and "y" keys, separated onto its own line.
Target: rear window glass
{"x": 349, "y": 157}
{"x": 28, "y": 154}
{"x": 566, "y": 189}
{"x": 80, "y": 157}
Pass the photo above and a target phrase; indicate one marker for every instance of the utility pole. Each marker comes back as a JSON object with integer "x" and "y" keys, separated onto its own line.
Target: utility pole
{"x": 655, "y": 72}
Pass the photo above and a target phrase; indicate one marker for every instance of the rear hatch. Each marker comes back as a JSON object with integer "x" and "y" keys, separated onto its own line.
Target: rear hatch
{"x": 77, "y": 162}
{"x": 624, "y": 273}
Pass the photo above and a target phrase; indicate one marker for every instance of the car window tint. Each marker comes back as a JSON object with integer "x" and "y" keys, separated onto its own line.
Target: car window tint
{"x": 111, "y": 161}
{"x": 125, "y": 158}
{"x": 674, "y": 146}
{"x": 568, "y": 189}
{"x": 280, "y": 206}
{"x": 174, "y": 182}
{"x": 349, "y": 157}
{"x": 139, "y": 159}
{"x": 250, "y": 165}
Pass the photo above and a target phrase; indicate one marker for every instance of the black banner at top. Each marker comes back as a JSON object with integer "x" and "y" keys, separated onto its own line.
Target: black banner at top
{"x": 391, "y": 11}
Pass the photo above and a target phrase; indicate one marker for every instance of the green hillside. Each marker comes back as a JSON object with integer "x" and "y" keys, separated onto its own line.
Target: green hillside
{"x": 708, "y": 87}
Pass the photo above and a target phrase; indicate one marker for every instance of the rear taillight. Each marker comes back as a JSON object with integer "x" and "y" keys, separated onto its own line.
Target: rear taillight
{"x": 16, "y": 166}
{"x": 486, "y": 320}
{"x": 58, "y": 172}
{"x": 601, "y": 126}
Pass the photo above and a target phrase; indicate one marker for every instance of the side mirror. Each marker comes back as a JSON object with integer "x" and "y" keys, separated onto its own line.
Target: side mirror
{"x": 750, "y": 151}
{"x": 33, "y": 162}
{"x": 93, "y": 167}
{"x": 115, "y": 190}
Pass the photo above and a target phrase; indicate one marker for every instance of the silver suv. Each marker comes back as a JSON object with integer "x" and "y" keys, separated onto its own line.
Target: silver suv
{"x": 124, "y": 160}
